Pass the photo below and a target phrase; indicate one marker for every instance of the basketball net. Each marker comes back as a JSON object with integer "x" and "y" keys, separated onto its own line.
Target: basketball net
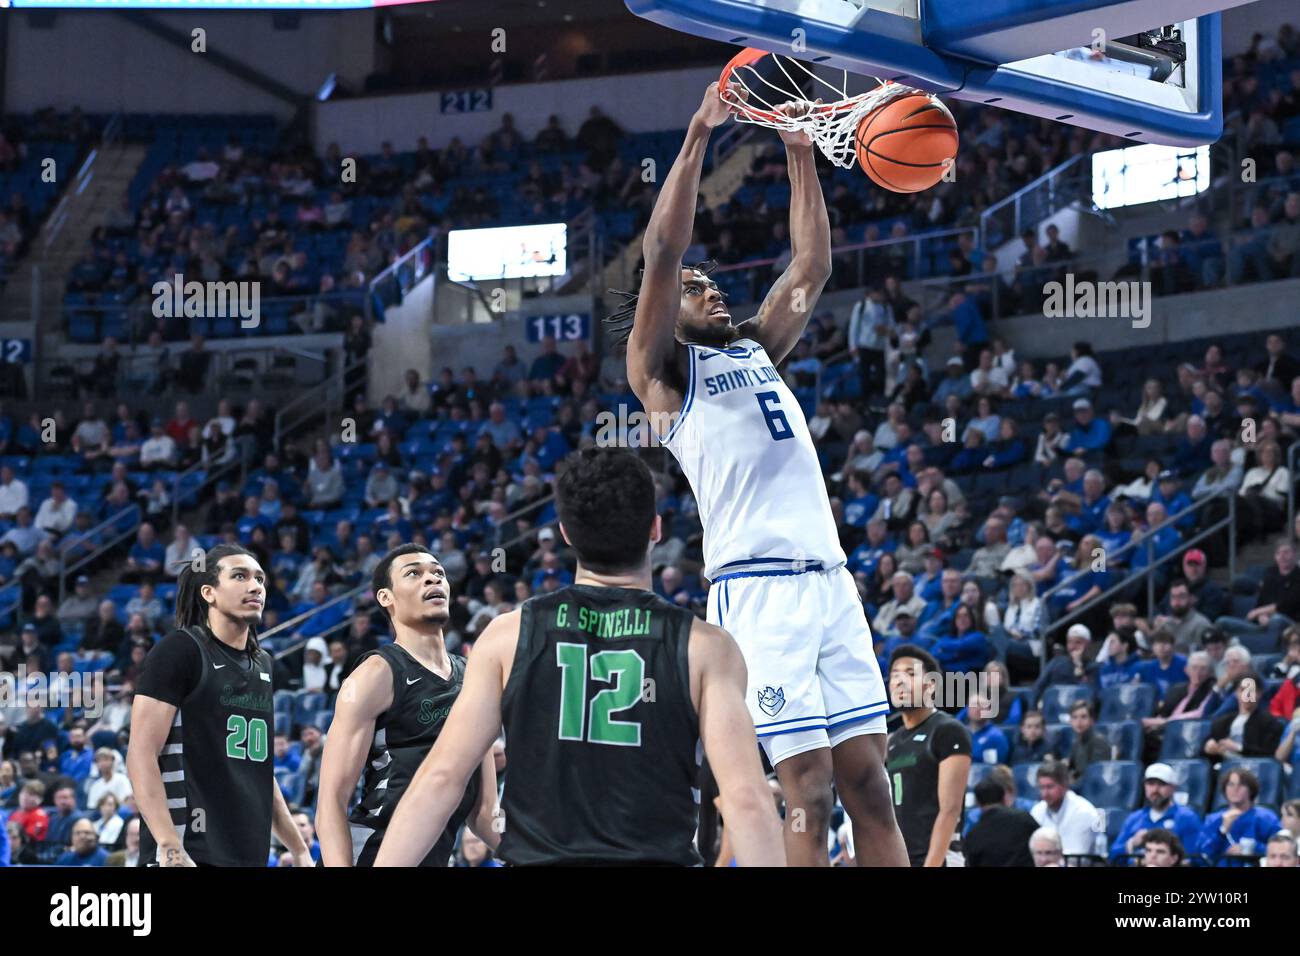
{"x": 831, "y": 126}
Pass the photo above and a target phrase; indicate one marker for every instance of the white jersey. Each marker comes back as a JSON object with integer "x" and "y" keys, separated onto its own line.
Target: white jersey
{"x": 743, "y": 443}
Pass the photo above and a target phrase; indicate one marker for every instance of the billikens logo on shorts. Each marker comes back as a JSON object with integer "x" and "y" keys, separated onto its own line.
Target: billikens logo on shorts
{"x": 771, "y": 701}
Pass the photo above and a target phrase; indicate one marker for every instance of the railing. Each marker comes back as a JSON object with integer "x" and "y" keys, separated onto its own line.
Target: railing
{"x": 1142, "y": 264}
{"x": 131, "y": 323}
{"x": 115, "y": 536}
{"x": 907, "y": 264}
{"x": 731, "y": 138}
{"x": 111, "y": 133}
{"x": 211, "y": 474}
{"x": 288, "y": 627}
{"x": 391, "y": 285}
{"x": 1146, "y": 542}
{"x": 229, "y": 373}
{"x": 1033, "y": 203}
{"x": 1291, "y": 459}
{"x": 318, "y": 402}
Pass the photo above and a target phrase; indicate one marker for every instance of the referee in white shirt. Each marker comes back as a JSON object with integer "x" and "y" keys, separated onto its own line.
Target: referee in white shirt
{"x": 1080, "y": 824}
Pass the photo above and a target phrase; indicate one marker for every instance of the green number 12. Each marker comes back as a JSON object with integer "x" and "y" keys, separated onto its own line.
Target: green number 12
{"x": 629, "y": 669}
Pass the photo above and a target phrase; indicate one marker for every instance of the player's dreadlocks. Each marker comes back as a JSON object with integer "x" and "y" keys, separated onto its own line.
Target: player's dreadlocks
{"x": 618, "y": 324}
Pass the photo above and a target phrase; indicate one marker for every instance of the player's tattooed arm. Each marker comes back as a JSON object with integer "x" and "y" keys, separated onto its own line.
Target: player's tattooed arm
{"x": 785, "y": 311}
{"x": 151, "y": 722}
{"x": 652, "y": 346}
{"x": 366, "y": 694}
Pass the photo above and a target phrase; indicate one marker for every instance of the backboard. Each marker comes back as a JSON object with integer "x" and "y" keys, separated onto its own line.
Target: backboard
{"x": 1148, "y": 71}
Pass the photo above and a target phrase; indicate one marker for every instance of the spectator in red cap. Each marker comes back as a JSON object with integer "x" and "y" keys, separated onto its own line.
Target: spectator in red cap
{"x": 1211, "y": 599}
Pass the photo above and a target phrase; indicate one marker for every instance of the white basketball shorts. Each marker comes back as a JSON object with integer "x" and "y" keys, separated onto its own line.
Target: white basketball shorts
{"x": 813, "y": 677}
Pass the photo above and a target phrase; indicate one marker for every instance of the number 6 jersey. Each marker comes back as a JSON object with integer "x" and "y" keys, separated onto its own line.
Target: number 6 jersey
{"x": 743, "y": 444}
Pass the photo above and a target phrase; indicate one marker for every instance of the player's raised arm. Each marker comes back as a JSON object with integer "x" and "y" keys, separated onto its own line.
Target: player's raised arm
{"x": 471, "y": 729}
{"x": 366, "y": 694}
{"x": 784, "y": 313}
{"x": 718, "y": 679}
{"x": 651, "y": 346}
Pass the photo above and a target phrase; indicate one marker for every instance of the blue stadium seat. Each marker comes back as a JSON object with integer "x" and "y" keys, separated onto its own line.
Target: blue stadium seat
{"x": 1125, "y": 738}
{"x": 1026, "y": 697}
{"x": 283, "y": 700}
{"x": 1293, "y": 785}
{"x": 1113, "y": 783}
{"x": 1026, "y": 775}
{"x": 1268, "y": 770}
{"x": 1115, "y": 817}
{"x": 1127, "y": 702}
{"x": 1192, "y": 783}
{"x": 1059, "y": 737}
{"x": 1184, "y": 739}
{"x": 307, "y": 704}
{"x": 1058, "y": 698}
{"x": 978, "y": 771}
{"x": 292, "y": 785}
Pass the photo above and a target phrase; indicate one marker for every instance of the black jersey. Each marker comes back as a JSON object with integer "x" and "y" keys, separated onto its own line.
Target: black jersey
{"x": 913, "y": 766}
{"x": 602, "y": 739}
{"x": 403, "y": 737}
{"x": 216, "y": 766}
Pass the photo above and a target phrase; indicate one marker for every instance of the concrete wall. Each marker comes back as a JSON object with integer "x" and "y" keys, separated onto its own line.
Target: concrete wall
{"x": 1263, "y": 308}
{"x": 103, "y": 63}
{"x": 403, "y": 340}
{"x": 361, "y": 125}
{"x": 1262, "y": 16}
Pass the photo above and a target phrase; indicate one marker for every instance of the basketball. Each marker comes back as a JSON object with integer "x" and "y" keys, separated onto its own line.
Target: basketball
{"x": 906, "y": 144}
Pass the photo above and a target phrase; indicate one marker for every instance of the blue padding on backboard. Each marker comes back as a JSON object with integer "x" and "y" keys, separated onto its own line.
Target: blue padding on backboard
{"x": 890, "y": 47}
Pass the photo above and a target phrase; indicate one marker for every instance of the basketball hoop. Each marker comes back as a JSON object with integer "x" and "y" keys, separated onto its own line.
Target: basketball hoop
{"x": 832, "y": 126}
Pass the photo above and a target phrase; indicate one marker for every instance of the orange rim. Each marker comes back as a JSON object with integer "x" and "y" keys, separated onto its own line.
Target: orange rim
{"x": 748, "y": 57}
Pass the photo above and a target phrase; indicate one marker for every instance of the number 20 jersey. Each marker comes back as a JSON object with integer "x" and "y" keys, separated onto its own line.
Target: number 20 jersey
{"x": 744, "y": 445}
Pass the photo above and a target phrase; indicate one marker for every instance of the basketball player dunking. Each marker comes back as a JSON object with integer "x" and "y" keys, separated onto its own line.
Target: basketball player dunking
{"x": 388, "y": 714}
{"x": 606, "y": 692}
{"x": 770, "y": 545}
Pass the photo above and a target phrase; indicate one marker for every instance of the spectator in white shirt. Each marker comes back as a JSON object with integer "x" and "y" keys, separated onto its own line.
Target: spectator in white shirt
{"x": 57, "y": 511}
{"x": 988, "y": 378}
{"x": 415, "y": 397}
{"x": 13, "y": 494}
{"x": 224, "y": 417}
{"x": 1072, "y": 816}
{"x": 24, "y": 534}
{"x": 1082, "y": 375}
{"x": 158, "y": 450}
{"x": 179, "y": 552}
{"x": 107, "y": 778}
